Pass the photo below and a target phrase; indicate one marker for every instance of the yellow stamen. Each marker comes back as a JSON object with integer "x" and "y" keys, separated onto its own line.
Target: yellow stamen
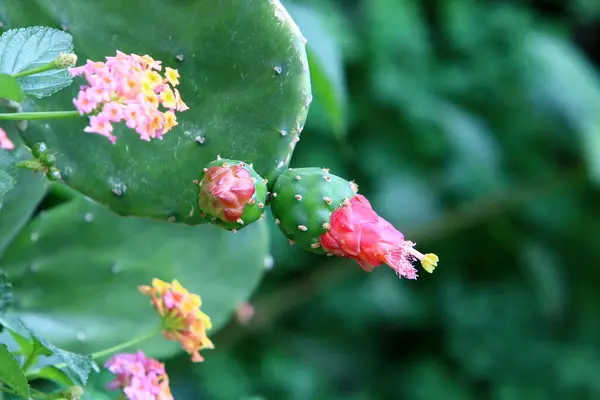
{"x": 429, "y": 262}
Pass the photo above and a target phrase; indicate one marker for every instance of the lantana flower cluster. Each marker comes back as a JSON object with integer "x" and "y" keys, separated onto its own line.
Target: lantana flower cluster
{"x": 129, "y": 88}
{"x": 139, "y": 377}
{"x": 181, "y": 316}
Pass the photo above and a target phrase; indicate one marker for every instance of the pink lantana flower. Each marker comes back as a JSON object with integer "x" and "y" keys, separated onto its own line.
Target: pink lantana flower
{"x": 129, "y": 88}
{"x": 139, "y": 377}
{"x": 5, "y": 142}
{"x": 356, "y": 231}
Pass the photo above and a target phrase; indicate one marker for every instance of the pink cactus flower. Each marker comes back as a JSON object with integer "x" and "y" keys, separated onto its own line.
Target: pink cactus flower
{"x": 356, "y": 231}
{"x": 128, "y": 88}
{"x": 139, "y": 377}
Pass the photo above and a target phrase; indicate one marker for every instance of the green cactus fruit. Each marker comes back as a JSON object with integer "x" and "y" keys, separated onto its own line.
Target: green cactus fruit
{"x": 232, "y": 194}
{"x": 303, "y": 200}
{"x": 243, "y": 73}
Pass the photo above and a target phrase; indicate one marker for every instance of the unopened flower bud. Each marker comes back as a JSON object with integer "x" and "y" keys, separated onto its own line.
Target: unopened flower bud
{"x": 65, "y": 60}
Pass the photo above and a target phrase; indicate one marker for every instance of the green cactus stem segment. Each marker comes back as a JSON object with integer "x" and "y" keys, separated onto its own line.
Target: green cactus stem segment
{"x": 36, "y": 116}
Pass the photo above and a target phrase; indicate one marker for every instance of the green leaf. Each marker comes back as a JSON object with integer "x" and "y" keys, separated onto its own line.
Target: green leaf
{"x": 11, "y": 374}
{"x": 326, "y": 68}
{"x": 566, "y": 84}
{"x": 26, "y": 48}
{"x": 244, "y": 76}
{"x": 6, "y": 295}
{"x": 19, "y": 203}
{"x": 78, "y": 366}
{"x": 7, "y": 173}
{"x": 87, "y": 312}
{"x": 10, "y": 89}
{"x": 54, "y": 374}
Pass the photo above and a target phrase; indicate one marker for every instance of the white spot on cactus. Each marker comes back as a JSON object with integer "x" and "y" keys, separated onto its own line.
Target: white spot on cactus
{"x": 302, "y": 228}
{"x": 291, "y": 242}
{"x": 115, "y": 268}
{"x": 240, "y": 221}
{"x": 327, "y": 178}
{"x": 297, "y": 177}
{"x": 329, "y": 255}
{"x": 218, "y": 156}
{"x": 180, "y": 57}
{"x": 327, "y": 200}
{"x": 205, "y": 170}
{"x": 298, "y": 197}
{"x": 171, "y": 219}
{"x": 354, "y": 187}
{"x": 234, "y": 231}
{"x": 261, "y": 205}
{"x": 283, "y": 132}
{"x": 262, "y": 216}
{"x": 251, "y": 165}
{"x": 252, "y": 201}
{"x": 118, "y": 188}
{"x": 34, "y": 236}
{"x": 277, "y": 221}
{"x": 269, "y": 262}
{"x": 315, "y": 245}
{"x": 225, "y": 164}
{"x": 253, "y": 179}
{"x": 326, "y": 170}
{"x": 265, "y": 181}
{"x": 88, "y": 217}
{"x": 278, "y": 70}
{"x": 280, "y": 164}
{"x": 274, "y": 194}
{"x": 80, "y": 335}
{"x": 326, "y": 226}
{"x": 200, "y": 139}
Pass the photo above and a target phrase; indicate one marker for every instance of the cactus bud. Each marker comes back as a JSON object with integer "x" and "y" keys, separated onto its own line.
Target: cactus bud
{"x": 323, "y": 213}
{"x": 232, "y": 193}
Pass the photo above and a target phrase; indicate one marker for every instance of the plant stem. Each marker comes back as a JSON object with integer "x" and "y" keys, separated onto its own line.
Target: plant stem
{"x": 31, "y": 116}
{"x": 37, "y": 70}
{"x": 28, "y": 362}
{"x": 123, "y": 346}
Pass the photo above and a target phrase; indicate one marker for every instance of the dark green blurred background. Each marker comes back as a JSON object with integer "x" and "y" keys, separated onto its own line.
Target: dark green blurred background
{"x": 474, "y": 127}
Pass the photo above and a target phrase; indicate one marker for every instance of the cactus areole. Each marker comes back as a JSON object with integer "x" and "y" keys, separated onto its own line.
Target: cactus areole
{"x": 232, "y": 194}
{"x": 324, "y": 213}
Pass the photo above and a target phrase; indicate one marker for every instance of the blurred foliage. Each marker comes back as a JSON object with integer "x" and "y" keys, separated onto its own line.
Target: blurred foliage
{"x": 474, "y": 127}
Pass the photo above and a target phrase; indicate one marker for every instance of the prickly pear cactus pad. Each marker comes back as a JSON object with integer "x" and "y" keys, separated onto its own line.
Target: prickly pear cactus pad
{"x": 303, "y": 200}
{"x": 75, "y": 270}
{"x": 243, "y": 73}
{"x": 232, "y": 194}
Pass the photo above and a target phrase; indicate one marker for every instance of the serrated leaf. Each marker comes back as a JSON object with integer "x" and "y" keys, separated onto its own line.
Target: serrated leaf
{"x": 26, "y": 48}
{"x": 10, "y": 89}
{"x": 78, "y": 366}
{"x": 11, "y": 374}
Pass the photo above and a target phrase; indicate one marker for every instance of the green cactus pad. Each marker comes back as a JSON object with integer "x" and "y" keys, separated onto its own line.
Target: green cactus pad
{"x": 244, "y": 75}
{"x": 75, "y": 270}
{"x": 253, "y": 211}
{"x": 303, "y": 200}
